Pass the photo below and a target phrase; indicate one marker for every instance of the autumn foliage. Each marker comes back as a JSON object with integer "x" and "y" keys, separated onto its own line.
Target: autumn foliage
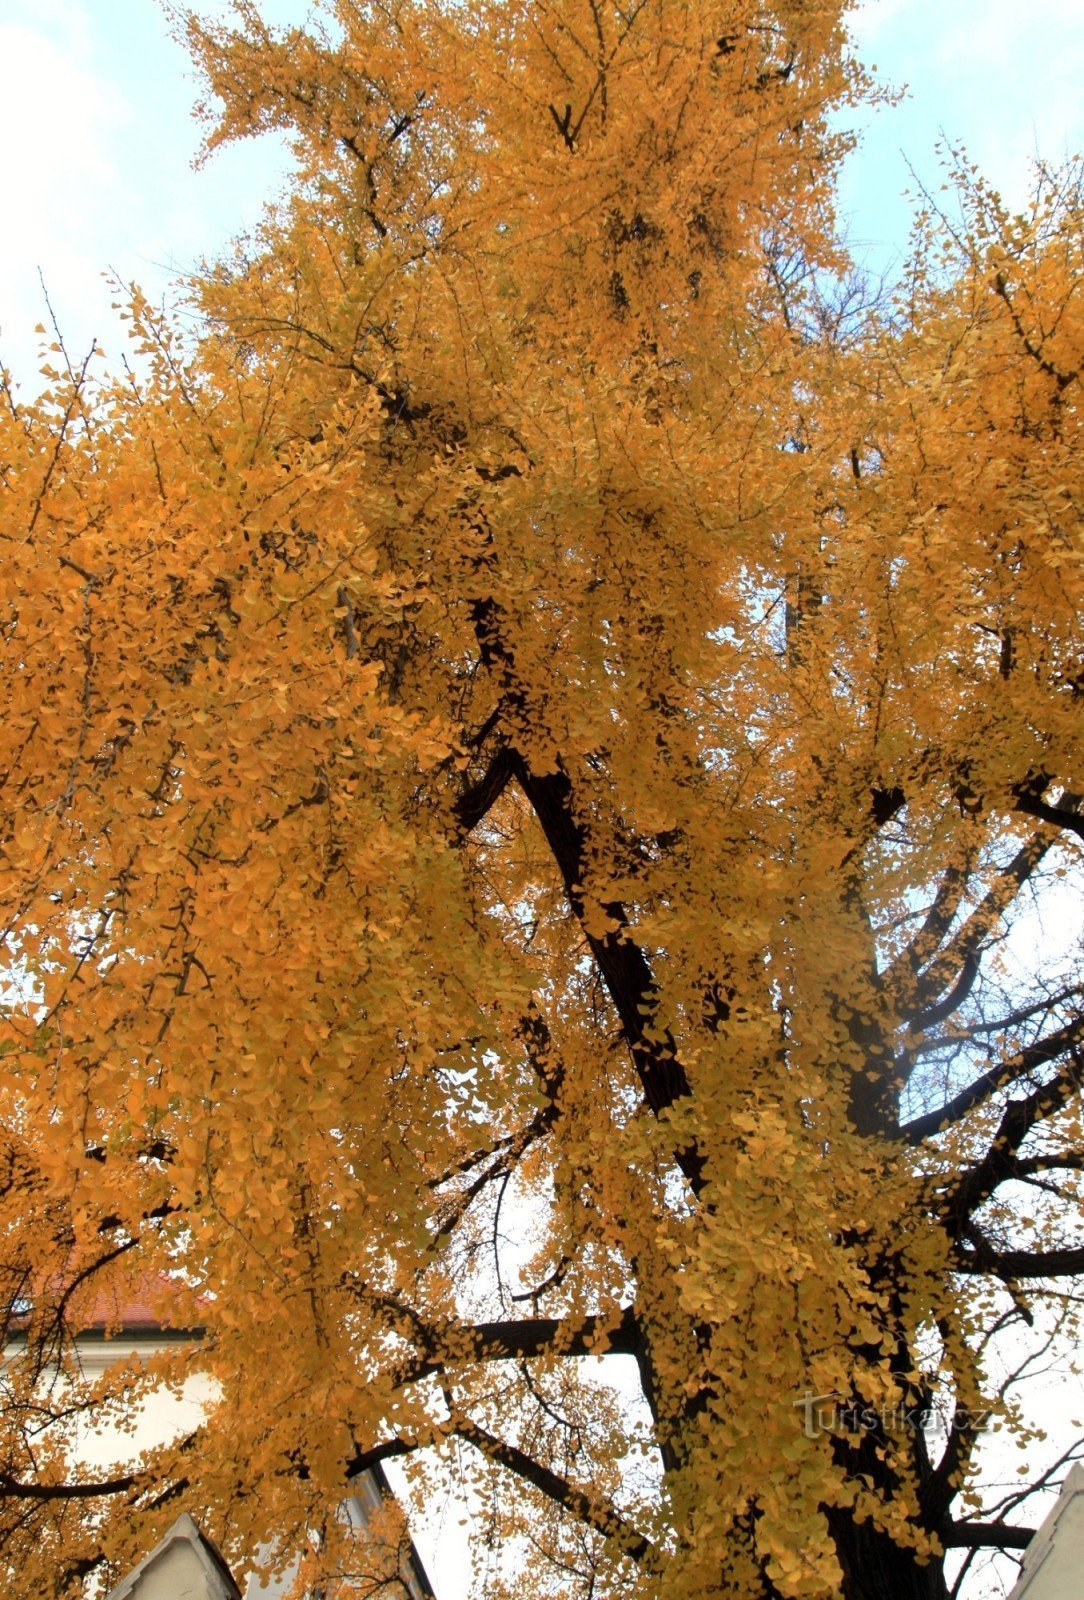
{"x": 522, "y": 742}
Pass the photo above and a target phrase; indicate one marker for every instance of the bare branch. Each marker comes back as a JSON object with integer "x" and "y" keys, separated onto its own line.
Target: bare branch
{"x": 624, "y": 967}
{"x": 588, "y": 1508}
{"x": 959, "y": 1036}
{"x": 917, "y": 993}
{"x": 999, "y": 1076}
{"x": 1014, "y": 1264}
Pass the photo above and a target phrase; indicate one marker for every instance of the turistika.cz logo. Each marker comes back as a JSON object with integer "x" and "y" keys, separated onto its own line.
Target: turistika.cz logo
{"x": 833, "y": 1413}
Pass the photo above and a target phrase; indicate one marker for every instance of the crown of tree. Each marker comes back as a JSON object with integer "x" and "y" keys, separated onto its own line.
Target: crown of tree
{"x": 523, "y": 739}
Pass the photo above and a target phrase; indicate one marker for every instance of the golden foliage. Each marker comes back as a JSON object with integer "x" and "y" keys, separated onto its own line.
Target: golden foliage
{"x": 542, "y": 696}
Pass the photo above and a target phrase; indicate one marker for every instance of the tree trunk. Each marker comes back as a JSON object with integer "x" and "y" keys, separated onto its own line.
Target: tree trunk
{"x": 876, "y": 1568}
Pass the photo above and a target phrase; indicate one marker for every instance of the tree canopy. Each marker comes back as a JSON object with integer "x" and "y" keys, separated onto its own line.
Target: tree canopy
{"x": 524, "y": 740}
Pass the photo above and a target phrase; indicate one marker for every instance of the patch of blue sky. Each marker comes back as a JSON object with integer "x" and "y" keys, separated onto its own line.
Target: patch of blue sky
{"x": 998, "y": 80}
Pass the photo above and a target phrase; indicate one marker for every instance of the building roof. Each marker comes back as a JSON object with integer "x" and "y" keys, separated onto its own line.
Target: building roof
{"x": 184, "y": 1563}
{"x": 134, "y": 1309}
{"x": 125, "y": 1309}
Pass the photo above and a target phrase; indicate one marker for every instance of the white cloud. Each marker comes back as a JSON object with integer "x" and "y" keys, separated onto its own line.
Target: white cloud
{"x": 997, "y": 79}
{"x": 871, "y": 17}
{"x": 58, "y": 122}
{"x": 98, "y": 139}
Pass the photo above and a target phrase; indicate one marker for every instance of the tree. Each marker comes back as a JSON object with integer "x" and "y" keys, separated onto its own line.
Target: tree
{"x": 547, "y": 709}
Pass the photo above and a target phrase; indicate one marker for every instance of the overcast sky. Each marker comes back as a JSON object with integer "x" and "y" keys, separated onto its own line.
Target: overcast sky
{"x": 97, "y": 141}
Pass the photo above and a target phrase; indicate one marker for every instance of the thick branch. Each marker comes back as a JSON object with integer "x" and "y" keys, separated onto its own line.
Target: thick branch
{"x": 935, "y": 926}
{"x": 519, "y": 1340}
{"x": 976, "y": 1535}
{"x": 477, "y": 801}
{"x": 12, "y": 1489}
{"x": 999, "y": 1076}
{"x": 956, "y": 996}
{"x": 1014, "y": 1264}
{"x": 623, "y": 965}
{"x": 595, "y": 1512}
{"x": 1017, "y": 1121}
{"x": 917, "y": 993}
{"x": 366, "y": 1460}
{"x": 534, "y": 1336}
{"x": 1032, "y": 805}
{"x": 1063, "y": 1161}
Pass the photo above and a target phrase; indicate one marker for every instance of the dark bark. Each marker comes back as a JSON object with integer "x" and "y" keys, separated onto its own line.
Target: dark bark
{"x": 999, "y": 1076}
{"x": 876, "y": 1568}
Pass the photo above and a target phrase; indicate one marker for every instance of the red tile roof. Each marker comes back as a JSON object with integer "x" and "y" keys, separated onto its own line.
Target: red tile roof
{"x": 131, "y": 1309}
{"x": 126, "y": 1308}
{"x": 135, "y": 1308}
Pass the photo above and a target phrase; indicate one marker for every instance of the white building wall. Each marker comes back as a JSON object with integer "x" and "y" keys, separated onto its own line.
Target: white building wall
{"x": 1054, "y": 1561}
{"x": 163, "y": 1416}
